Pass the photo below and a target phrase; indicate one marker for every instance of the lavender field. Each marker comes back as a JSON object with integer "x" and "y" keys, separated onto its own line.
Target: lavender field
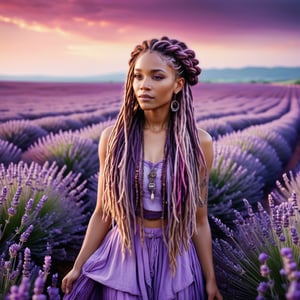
{"x": 48, "y": 182}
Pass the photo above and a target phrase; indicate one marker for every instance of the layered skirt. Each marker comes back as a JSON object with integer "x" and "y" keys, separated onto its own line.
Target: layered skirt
{"x": 146, "y": 275}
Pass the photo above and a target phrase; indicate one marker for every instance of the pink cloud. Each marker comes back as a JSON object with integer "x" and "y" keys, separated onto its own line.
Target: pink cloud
{"x": 79, "y": 36}
{"x": 207, "y": 20}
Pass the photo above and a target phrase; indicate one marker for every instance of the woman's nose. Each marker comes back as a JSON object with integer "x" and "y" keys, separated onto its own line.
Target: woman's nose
{"x": 145, "y": 84}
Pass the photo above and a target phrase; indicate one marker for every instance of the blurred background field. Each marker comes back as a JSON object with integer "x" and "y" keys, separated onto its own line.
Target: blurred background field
{"x": 48, "y": 152}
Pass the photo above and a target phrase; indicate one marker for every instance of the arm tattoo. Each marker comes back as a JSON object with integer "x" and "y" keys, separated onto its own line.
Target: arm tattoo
{"x": 204, "y": 187}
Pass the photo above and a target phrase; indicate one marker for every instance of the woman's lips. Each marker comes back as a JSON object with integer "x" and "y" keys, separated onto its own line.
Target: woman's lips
{"x": 145, "y": 97}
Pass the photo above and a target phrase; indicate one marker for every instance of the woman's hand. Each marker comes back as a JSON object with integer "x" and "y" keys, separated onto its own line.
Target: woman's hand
{"x": 68, "y": 280}
{"x": 212, "y": 291}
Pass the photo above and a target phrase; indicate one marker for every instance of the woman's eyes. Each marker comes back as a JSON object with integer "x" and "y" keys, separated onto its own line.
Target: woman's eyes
{"x": 137, "y": 76}
{"x": 154, "y": 77}
{"x": 158, "y": 77}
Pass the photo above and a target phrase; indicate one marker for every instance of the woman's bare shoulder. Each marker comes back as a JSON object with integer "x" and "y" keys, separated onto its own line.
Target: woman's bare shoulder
{"x": 103, "y": 142}
{"x": 206, "y": 143}
{"x": 106, "y": 132}
{"x": 204, "y": 136}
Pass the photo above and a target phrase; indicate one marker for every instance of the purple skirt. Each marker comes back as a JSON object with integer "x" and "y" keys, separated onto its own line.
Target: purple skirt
{"x": 146, "y": 275}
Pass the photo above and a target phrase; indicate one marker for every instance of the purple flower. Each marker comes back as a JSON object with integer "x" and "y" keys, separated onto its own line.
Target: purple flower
{"x": 13, "y": 250}
{"x": 46, "y": 266}
{"x": 228, "y": 232}
{"x": 21, "y": 133}
{"x": 294, "y": 235}
{"x": 9, "y": 152}
{"x": 53, "y": 293}
{"x": 11, "y": 211}
{"x": 293, "y": 292}
{"x": 263, "y": 257}
{"x": 263, "y": 287}
{"x": 14, "y": 293}
{"x": 25, "y": 235}
{"x": 286, "y": 252}
{"x": 3, "y": 195}
{"x": 24, "y": 219}
{"x": 26, "y": 264}
{"x": 16, "y": 198}
{"x": 38, "y": 289}
{"x": 264, "y": 270}
{"x": 52, "y": 203}
{"x": 282, "y": 237}
{"x": 78, "y": 154}
{"x": 7, "y": 265}
{"x": 29, "y": 205}
{"x": 24, "y": 288}
{"x": 271, "y": 201}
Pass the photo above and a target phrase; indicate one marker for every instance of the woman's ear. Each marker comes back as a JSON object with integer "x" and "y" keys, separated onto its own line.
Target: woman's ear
{"x": 179, "y": 84}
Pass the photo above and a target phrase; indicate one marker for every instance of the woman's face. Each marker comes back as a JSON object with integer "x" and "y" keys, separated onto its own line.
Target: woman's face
{"x": 154, "y": 82}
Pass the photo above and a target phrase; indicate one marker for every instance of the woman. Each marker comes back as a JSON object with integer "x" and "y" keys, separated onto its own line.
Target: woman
{"x": 149, "y": 236}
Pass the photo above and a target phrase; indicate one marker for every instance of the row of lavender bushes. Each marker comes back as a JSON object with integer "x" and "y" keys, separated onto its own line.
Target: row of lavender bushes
{"x": 259, "y": 258}
{"x": 48, "y": 191}
{"x": 247, "y": 162}
{"x": 258, "y": 255}
{"x": 49, "y": 183}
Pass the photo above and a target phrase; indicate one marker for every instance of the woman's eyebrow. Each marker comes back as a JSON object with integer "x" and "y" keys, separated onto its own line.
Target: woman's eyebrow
{"x": 152, "y": 70}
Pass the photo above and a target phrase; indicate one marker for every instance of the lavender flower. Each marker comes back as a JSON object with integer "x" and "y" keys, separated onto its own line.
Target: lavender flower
{"x": 261, "y": 233}
{"x": 38, "y": 289}
{"x": 278, "y": 142}
{"x": 288, "y": 189}
{"x": 94, "y": 131}
{"x": 46, "y": 266}
{"x": 26, "y": 265}
{"x": 262, "y": 290}
{"x": 9, "y": 153}
{"x": 263, "y": 257}
{"x": 3, "y": 195}
{"x": 294, "y": 235}
{"x": 52, "y": 290}
{"x": 260, "y": 149}
{"x": 264, "y": 270}
{"x": 235, "y": 176}
{"x": 293, "y": 291}
{"x": 41, "y": 208}
{"x": 30, "y": 276}
{"x": 25, "y": 235}
{"x": 13, "y": 250}
{"x": 79, "y": 155}
{"x": 12, "y": 211}
{"x": 24, "y": 288}
{"x": 21, "y": 133}
{"x": 14, "y": 293}
{"x": 216, "y": 127}
{"x": 57, "y": 123}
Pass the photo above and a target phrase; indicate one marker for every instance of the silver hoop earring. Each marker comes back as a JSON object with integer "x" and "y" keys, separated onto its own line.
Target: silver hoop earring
{"x": 175, "y": 104}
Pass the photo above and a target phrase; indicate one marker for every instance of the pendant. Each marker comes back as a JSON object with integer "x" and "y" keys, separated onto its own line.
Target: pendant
{"x": 152, "y": 196}
{"x": 151, "y": 184}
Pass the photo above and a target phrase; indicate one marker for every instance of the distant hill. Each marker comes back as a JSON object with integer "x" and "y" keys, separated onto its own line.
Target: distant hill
{"x": 249, "y": 74}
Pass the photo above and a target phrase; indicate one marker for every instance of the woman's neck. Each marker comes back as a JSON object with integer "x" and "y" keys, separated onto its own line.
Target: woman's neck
{"x": 155, "y": 124}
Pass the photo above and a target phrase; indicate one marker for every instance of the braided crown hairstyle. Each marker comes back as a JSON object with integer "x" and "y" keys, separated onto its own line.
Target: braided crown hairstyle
{"x": 184, "y": 161}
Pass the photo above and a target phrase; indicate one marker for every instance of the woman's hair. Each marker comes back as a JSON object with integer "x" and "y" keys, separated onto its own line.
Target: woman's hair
{"x": 184, "y": 162}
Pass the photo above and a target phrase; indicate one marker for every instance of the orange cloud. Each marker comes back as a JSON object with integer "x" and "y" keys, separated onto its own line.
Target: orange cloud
{"x": 33, "y": 26}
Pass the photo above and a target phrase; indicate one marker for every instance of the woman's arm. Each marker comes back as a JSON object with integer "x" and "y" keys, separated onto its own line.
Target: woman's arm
{"x": 202, "y": 237}
{"x": 97, "y": 227}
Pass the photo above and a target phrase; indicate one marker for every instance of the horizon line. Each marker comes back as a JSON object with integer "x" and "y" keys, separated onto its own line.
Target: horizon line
{"x": 124, "y": 72}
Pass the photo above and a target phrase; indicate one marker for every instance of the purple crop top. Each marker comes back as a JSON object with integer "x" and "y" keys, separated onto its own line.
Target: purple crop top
{"x": 152, "y": 207}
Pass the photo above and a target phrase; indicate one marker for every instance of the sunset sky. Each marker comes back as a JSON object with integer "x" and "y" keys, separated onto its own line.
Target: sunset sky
{"x": 89, "y": 37}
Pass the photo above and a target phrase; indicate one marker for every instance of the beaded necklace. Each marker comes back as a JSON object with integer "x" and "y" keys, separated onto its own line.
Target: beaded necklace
{"x": 139, "y": 179}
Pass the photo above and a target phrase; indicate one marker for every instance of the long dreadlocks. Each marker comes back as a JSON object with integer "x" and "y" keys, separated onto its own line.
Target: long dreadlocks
{"x": 185, "y": 158}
